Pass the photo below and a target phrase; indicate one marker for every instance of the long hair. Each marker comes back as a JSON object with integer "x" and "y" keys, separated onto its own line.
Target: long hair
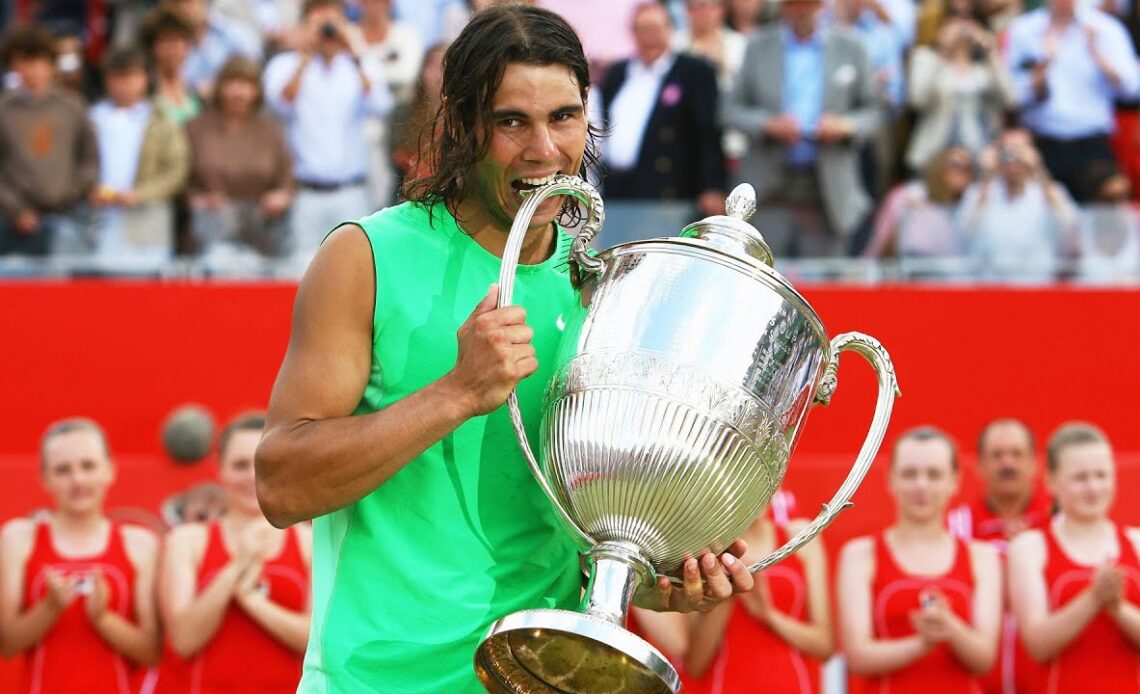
{"x": 460, "y": 134}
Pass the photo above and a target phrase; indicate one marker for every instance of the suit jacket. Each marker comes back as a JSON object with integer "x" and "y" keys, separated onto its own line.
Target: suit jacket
{"x": 758, "y": 94}
{"x": 680, "y": 154}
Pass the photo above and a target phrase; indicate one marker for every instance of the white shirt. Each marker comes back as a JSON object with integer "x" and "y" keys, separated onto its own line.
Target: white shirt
{"x": 1018, "y": 239}
{"x": 1081, "y": 101}
{"x": 631, "y": 109}
{"x": 120, "y": 133}
{"x": 325, "y": 123}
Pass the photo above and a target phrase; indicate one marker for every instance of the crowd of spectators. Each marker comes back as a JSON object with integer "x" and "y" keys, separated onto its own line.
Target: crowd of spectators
{"x": 1002, "y": 132}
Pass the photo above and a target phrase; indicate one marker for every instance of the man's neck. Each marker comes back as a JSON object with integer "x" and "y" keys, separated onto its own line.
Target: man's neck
{"x": 170, "y": 79}
{"x": 327, "y": 56}
{"x": 655, "y": 58}
{"x": 803, "y": 33}
{"x": 1009, "y": 505}
{"x": 474, "y": 221}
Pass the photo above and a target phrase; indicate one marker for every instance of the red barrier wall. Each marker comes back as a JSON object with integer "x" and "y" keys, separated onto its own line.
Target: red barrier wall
{"x": 127, "y": 353}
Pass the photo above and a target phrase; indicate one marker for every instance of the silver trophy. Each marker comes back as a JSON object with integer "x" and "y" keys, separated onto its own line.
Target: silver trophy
{"x": 680, "y": 388}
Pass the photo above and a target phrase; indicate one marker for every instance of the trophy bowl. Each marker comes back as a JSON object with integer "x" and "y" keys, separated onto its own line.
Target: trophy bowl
{"x": 681, "y": 385}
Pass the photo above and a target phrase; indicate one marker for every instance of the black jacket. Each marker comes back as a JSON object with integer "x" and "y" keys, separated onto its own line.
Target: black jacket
{"x": 680, "y": 154}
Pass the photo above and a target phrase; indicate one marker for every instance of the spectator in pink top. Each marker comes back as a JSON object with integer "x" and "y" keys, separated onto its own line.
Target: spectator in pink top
{"x": 916, "y": 219}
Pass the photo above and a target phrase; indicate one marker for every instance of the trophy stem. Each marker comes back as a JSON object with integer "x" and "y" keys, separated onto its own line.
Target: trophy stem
{"x": 618, "y": 571}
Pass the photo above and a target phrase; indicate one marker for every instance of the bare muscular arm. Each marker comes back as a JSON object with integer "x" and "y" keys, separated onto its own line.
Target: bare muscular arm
{"x": 315, "y": 457}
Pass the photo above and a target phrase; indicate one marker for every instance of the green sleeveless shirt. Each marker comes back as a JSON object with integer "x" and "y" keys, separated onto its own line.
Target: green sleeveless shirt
{"x": 407, "y": 580}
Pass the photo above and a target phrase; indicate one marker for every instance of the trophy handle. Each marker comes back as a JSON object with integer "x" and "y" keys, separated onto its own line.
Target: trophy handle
{"x": 580, "y": 259}
{"x": 874, "y": 353}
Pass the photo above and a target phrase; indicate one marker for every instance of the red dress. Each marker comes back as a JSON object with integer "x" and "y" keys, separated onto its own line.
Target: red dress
{"x": 752, "y": 658}
{"x": 243, "y": 657}
{"x": 72, "y": 657}
{"x": 895, "y": 594}
{"x": 1100, "y": 658}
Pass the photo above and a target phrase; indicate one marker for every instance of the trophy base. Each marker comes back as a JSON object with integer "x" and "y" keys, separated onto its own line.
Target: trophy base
{"x": 560, "y": 651}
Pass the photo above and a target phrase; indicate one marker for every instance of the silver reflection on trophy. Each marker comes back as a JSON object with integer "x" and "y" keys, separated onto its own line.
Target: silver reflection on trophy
{"x": 679, "y": 391}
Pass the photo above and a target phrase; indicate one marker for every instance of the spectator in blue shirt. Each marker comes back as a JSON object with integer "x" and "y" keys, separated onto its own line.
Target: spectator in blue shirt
{"x": 1070, "y": 64}
{"x": 324, "y": 94}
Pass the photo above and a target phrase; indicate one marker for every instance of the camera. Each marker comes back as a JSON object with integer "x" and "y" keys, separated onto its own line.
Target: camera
{"x": 329, "y": 31}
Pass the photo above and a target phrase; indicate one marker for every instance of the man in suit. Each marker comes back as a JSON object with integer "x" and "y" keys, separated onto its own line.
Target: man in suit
{"x": 663, "y": 155}
{"x": 806, "y": 98}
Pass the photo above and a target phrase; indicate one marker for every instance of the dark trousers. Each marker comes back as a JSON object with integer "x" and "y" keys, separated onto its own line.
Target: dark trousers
{"x": 1081, "y": 164}
{"x": 37, "y": 243}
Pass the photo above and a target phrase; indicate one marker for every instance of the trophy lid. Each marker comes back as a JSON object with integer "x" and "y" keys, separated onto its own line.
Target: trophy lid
{"x": 731, "y": 232}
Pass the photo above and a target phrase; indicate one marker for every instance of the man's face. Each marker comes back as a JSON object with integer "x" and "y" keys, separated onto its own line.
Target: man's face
{"x": 1006, "y": 461}
{"x": 76, "y": 471}
{"x": 538, "y": 129}
{"x": 127, "y": 88}
{"x": 36, "y": 72}
{"x": 651, "y": 32}
{"x": 799, "y": 14}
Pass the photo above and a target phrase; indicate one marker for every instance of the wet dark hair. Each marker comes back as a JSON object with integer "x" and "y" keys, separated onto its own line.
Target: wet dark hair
{"x": 29, "y": 42}
{"x": 459, "y": 135}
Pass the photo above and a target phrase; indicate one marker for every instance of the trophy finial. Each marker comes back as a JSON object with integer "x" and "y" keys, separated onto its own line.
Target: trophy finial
{"x": 741, "y": 203}
{"x": 731, "y": 232}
